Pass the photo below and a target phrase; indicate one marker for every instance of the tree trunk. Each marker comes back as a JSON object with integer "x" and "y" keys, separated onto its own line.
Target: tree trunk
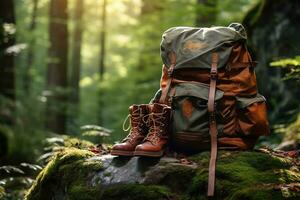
{"x": 57, "y": 67}
{"x": 102, "y": 41}
{"x": 206, "y": 12}
{"x": 76, "y": 61}
{"x": 7, "y": 69}
{"x": 102, "y": 60}
{"x": 269, "y": 45}
{"x": 30, "y": 57}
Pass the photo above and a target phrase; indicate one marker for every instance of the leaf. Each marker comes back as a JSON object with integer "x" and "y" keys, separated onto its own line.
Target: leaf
{"x": 95, "y": 128}
{"x": 288, "y": 62}
{"x": 31, "y": 166}
{"x": 27, "y": 180}
{"x": 96, "y": 133}
{"x": 55, "y": 140}
{"x": 2, "y": 192}
{"x": 10, "y": 169}
{"x": 2, "y": 182}
{"x": 46, "y": 156}
{"x": 292, "y": 64}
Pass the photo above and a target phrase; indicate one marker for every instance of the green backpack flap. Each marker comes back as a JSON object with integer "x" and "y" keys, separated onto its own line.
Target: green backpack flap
{"x": 193, "y": 46}
{"x": 190, "y": 115}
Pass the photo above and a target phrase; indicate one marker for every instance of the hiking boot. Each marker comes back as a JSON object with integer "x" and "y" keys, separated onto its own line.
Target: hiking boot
{"x": 137, "y": 132}
{"x": 157, "y": 137}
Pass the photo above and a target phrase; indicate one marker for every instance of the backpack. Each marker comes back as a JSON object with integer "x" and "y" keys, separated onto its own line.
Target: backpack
{"x": 208, "y": 79}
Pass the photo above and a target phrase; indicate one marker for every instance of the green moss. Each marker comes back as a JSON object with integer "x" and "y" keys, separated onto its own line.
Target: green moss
{"x": 136, "y": 192}
{"x": 70, "y": 168}
{"x": 244, "y": 175}
{"x": 79, "y": 192}
{"x": 287, "y": 176}
{"x": 257, "y": 193}
{"x": 240, "y": 175}
{"x": 177, "y": 177}
{"x": 77, "y": 143}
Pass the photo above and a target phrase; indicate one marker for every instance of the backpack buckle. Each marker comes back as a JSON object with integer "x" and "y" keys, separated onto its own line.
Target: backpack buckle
{"x": 213, "y": 74}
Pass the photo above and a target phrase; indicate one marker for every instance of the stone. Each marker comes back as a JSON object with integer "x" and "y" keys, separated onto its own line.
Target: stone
{"x": 80, "y": 174}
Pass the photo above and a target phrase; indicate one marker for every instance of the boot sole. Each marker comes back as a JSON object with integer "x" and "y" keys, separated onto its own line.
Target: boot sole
{"x": 121, "y": 153}
{"x": 149, "y": 154}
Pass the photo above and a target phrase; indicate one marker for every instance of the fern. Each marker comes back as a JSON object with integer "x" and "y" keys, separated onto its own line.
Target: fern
{"x": 2, "y": 192}
{"x": 291, "y": 64}
{"x": 14, "y": 180}
{"x": 94, "y": 130}
{"x": 10, "y": 169}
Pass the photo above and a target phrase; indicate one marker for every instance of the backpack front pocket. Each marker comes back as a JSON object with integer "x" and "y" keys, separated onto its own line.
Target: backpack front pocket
{"x": 190, "y": 114}
{"x": 252, "y": 116}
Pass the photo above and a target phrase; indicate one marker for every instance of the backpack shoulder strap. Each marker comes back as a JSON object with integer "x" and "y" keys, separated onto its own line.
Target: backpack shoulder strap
{"x": 212, "y": 123}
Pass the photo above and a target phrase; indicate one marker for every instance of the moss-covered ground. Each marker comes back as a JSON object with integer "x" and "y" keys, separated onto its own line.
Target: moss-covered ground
{"x": 69, "y": 170}
{"x": 247, "y": 175}
{"x": 240, "y": 175}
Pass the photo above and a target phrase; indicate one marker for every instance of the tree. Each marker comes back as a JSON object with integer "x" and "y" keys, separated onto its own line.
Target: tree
{"x": 269, "y": 45}
{"x": 206, "y": 12}
{"x": 7, "y": 68}
{"x": 102, "y": 41}
{"x": 30, "y": 56}
{"x": 57, "y": 67}
{"x": 76, "y": 59}
{"x": 102, "y": 59}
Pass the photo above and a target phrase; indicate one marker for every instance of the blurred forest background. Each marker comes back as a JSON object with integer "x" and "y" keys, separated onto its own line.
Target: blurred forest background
{"x": 65, "y": 64}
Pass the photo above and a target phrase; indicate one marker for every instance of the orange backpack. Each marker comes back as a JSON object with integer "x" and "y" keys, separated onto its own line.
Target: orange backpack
{"x": 208, "y": 79}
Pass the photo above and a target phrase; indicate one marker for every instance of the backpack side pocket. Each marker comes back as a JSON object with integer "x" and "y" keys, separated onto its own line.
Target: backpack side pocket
{"x": 252, "y": 116}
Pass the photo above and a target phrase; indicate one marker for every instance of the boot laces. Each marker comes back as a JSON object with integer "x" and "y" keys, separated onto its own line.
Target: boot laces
{"x": 134, "y": 126}
{"x": 154, "y": 122}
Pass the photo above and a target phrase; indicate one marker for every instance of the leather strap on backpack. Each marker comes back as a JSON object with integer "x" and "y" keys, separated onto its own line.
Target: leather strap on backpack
{"x": 165, "y": 91}
{"x": 212, "y": 123}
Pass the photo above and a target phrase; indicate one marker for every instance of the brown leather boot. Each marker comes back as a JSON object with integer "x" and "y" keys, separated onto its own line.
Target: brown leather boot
{"x": 137, "y": 132}
{"x": 158, "y": 122}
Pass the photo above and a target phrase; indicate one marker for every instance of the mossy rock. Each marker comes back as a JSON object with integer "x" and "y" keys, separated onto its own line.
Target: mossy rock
{"x": 78, "y": 174}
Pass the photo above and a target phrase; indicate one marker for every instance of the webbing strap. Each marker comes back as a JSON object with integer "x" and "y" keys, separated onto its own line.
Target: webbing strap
{"x": 212, "y": 124}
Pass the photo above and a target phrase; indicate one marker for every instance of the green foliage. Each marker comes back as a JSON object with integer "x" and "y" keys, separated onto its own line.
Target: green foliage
{"x": 60, "y": 143}
{"x": 234, "y": 11}
{"x": 293, "y": 130}
{"x": 15, "y": 180}
{"x": 290, "y": 131}
{"x": 95, "y": 133}
{"x": 291, "y": 64}
{"x": 10, "y": 169}
{"x": 2, "y": 192}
